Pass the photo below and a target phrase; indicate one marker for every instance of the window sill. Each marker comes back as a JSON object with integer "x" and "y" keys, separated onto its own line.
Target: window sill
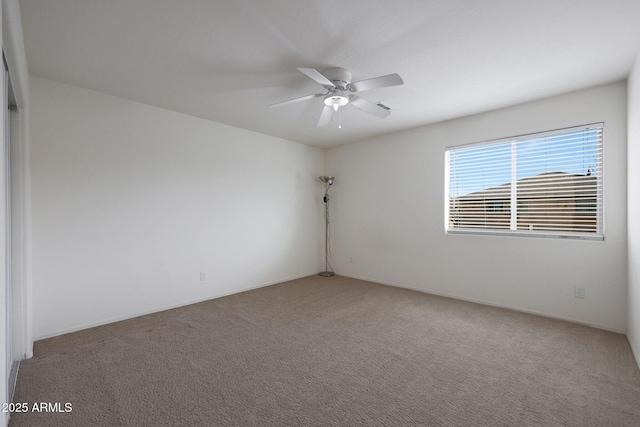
{"x": 538, "y": 234}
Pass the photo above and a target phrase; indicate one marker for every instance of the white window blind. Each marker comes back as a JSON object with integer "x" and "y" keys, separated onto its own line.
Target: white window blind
{"x": 546, "y": 184}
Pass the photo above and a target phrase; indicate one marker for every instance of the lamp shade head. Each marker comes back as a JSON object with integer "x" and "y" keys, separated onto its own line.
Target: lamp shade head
{"x": 327, "y": 178}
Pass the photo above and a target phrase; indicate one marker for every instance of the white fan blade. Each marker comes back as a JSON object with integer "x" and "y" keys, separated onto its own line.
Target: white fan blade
{"x": 315, "y": 75}
{"x": 368, "y": 106}
{"x": 376, "y": 83}
{"x": 291, "y": 101}
{"x": 325, "y": 116}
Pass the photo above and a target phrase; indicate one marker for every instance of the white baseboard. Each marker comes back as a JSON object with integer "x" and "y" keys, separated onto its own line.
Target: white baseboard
{"x": 13, "y": 380}
{"x": 635, "y": 349}
{"x": 489, "y": 303}
{"x": 164, "y": 308}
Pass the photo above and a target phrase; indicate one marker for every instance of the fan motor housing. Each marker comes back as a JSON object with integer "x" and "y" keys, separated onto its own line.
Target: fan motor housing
{"x": 339, "y": 76}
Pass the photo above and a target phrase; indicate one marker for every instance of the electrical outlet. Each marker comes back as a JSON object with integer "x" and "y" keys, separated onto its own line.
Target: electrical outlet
{"x": 579, "y": 292}
{"x": 203, "y": 276}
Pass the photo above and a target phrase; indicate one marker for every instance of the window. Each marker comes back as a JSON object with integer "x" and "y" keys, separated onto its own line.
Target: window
{"x": 546, "y": 184}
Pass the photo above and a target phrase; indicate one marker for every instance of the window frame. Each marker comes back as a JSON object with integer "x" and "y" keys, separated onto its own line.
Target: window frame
{"x": 514, "y": 206}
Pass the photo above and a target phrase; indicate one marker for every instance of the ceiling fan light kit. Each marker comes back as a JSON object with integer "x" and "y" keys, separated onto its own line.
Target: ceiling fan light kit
{"x": 336, "y": 100}
{"x": 337, "y": 82}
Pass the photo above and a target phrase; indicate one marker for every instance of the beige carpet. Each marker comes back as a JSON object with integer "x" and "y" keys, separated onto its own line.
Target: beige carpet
{"x": 333, "y": 351}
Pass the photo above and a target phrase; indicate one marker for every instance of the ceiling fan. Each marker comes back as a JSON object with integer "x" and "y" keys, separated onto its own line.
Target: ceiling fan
{"x": 337, "y": 82}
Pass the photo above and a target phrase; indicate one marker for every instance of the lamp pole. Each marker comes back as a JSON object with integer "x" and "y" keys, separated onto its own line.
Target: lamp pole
{"x": 329, "y": 181}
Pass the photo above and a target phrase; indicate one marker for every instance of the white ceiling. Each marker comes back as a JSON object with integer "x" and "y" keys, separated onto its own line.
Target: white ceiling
{"x": 228, "y": 60}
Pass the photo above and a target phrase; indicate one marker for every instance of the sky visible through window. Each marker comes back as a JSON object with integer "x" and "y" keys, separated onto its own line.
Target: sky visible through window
{"x": 489, "y": 165}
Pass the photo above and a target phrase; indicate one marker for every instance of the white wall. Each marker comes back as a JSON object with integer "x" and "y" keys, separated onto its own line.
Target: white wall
{"x": 388, "y": 217}
{"x": 633, "y": 194}
{"x": 132, "y": 202}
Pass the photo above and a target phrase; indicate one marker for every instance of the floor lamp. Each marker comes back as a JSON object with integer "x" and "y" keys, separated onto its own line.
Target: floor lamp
{"x": 329, "y": 181}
